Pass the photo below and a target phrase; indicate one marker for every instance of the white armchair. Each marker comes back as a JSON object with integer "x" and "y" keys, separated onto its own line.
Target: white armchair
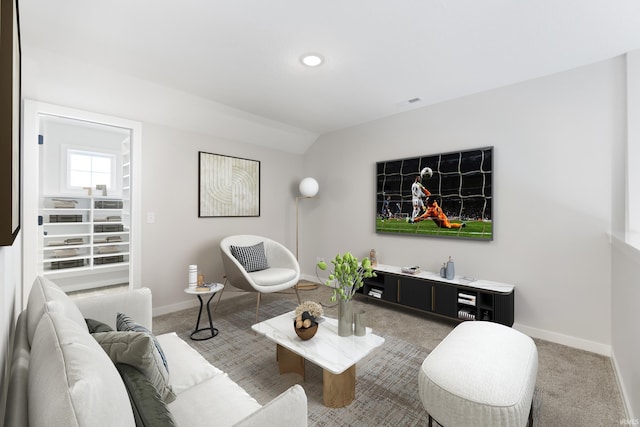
{"x": 283, "y": 270}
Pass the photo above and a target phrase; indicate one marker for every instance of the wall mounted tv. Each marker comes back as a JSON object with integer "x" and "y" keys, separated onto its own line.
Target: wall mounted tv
{"x": 442, "y": 195}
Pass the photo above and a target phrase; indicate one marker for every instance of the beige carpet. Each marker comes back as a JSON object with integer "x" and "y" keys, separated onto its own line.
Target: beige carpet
{"x": 579, "y": 388}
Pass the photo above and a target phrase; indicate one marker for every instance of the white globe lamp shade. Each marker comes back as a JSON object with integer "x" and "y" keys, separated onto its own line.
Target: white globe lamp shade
{"x": 309, "y": 187}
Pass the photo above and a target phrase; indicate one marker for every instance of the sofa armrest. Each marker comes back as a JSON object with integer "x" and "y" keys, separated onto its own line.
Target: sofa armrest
{"x": 136, "y": 304}
{"x": 287, "y": 409}
{"x": 17, "y": 408}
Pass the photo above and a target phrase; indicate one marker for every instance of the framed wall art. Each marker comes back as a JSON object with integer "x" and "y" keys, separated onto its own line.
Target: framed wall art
{"x": 10, "y": 185}
{"x": 228, "y": 187}
{"x": 444, "y": 195}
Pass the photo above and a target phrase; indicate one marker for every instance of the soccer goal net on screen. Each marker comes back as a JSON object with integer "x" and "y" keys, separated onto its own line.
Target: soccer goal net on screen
{"x": 461, "y": 184}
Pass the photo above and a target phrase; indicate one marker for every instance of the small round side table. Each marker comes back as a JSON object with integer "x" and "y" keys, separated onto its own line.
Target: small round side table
{"x": 215, "y": 287}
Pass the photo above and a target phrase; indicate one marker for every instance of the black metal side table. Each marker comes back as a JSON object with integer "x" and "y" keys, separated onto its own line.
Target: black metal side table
{"x": 199, "y": 292}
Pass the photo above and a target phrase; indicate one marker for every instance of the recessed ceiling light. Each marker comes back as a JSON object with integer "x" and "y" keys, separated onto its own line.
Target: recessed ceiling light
{"x": 311, "y": 59}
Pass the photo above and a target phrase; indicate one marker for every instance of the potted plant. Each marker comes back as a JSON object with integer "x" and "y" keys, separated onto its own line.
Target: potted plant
{"x": 346, "y": 277}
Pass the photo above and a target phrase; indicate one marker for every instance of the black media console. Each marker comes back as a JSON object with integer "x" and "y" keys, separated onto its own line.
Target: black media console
{"x": 459, "y": 298}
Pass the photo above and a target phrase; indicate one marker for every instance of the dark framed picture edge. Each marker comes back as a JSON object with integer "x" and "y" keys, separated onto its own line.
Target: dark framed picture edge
{"x": 200, "y": 195}
{"x": 10, "y": 123}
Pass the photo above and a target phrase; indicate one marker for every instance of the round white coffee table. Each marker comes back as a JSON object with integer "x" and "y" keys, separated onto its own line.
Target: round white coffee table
{"x": 199, "y": 292}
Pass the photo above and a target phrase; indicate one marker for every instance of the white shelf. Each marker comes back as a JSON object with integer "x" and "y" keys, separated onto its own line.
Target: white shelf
{"x": 85, "y": 229}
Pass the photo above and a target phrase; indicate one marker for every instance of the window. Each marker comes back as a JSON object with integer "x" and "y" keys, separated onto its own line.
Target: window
{"x": 88, "y": 169}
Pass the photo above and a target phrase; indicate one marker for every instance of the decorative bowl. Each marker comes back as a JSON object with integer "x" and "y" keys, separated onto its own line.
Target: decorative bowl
{"x": 306, "y": 333}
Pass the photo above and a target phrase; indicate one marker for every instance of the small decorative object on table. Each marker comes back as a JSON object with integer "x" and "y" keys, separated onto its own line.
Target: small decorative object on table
{"x": 450, "y": 270}
{"x": 411, "y": 270}
{"x": 312, "y": 307}
{"x": 305, "y": 325}
{"x": 348, "y": 276}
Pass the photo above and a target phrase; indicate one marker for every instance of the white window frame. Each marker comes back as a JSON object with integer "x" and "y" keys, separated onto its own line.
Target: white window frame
{"x": 115, "y": 184}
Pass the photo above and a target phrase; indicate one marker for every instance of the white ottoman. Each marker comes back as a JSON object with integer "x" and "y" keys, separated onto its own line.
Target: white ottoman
{"x": 481, "y": 374}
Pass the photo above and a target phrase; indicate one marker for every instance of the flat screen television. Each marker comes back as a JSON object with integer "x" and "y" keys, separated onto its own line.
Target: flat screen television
{"x": 437, "y": 195}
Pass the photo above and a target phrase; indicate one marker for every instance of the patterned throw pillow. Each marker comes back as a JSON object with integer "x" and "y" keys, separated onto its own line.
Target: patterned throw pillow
{"x": 252, "y": 258}
{"x": 137, "y": 349}
{"x": 125, "y": 323}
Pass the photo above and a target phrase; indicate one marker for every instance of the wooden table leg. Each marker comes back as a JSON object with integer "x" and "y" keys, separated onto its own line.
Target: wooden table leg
{"x": 339, "y": 390}
{"x": 288, "y": 361}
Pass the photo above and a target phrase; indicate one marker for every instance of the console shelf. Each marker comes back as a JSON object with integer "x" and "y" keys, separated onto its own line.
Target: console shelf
{"x": 459, "y": 298}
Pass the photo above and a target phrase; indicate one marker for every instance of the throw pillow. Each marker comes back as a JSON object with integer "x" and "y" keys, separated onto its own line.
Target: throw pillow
{"x": 97, "y": 326}
{"x": 138, "y": 350}
{"x": 252, "y": 258}
{"x": 148, "y": 407}
{"x": 125, "y": 323}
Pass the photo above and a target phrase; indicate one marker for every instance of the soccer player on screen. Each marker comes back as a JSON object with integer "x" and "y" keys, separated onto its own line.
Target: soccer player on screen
{"x": 417, "y": 191}
{"x": 435, "y": 213}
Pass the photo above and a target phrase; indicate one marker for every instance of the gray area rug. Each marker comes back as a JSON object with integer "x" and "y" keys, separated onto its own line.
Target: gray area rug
{"x": 386, "y": 380}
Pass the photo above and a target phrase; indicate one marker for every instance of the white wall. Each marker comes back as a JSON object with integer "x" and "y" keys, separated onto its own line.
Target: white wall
{"x": 554, "y": 139}
{"x": 10, "y": 300}
{"x": 170, "y": 163}
{"x": 178, "y": 237}
{"x": 625, "y": 258}
{"x": 73, "y": 134}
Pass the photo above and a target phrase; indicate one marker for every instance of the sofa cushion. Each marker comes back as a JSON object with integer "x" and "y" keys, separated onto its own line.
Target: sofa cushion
{"x": 71, "y": 380}
{"x": 252, "y": 258}
{"x": 225, "y": 401}
{"x": 125, "y": 323}
{"x": 188, "y": 367}
{"x": 47, "y": 296}
{"x": 138, "y": 350}
{"x": 149, "y": 409}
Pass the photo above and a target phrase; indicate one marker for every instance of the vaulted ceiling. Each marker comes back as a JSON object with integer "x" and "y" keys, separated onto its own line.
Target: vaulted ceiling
{"x": 378, "y": 54}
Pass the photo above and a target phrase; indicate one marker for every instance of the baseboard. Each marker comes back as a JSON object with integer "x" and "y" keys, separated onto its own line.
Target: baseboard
{"x": 628, "y": 409}
{"x": 166, "y": 309}
{"x": 567, "y": 340}
{"x": 310, "y": 278}
{"x": 191, "y": 303}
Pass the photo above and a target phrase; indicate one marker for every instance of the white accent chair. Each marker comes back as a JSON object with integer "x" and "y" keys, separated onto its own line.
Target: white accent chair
{"x": 283, "y": 272}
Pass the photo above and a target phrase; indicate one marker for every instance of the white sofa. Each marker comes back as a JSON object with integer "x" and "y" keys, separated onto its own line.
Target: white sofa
{"x": 61, "y": 376}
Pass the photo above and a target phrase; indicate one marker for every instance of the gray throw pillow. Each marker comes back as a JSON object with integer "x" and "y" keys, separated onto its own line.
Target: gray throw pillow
{"x": 97, "y": 326}
{"x": 252, "y": 258}
{"x": 125, "y": 323}
{"x": 138, "y": 350}
{"x": 149, "y": 410}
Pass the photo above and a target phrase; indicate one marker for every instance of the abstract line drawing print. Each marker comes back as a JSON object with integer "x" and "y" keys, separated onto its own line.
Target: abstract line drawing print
{"x": 229, "y": 186}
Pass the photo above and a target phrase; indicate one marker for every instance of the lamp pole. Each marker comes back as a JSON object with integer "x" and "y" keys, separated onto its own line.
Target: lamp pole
{"x": 308, "y": 189}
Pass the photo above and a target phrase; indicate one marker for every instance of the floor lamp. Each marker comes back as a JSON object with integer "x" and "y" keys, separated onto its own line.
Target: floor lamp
{"x": 308, "y": 189}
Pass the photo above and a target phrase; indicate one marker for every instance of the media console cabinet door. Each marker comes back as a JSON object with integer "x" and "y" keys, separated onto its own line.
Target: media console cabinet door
{"x": 445, "y": 300}
{"x": 415, "y": 293}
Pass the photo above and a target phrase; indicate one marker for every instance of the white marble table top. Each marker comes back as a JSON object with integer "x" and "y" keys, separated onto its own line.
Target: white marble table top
{"x": 502, "y": 288}
{"x": 326, "y": 349}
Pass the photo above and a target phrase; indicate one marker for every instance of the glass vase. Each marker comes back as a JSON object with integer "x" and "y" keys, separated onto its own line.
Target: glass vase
{"x": 345, "y": 318}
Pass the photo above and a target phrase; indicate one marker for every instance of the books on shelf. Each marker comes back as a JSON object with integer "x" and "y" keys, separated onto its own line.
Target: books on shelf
{"x": 467, "y": 299}
{"x": 375, "y": 292}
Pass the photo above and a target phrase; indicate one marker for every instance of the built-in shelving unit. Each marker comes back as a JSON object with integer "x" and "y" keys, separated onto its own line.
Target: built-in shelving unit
{"x": 83, "y": 234}
{"x": 459, "y": 298}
